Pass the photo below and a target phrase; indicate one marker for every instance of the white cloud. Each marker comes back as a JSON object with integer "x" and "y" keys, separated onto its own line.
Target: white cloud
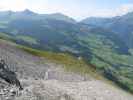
{"x": 120, "y": 10}
{"x": 125, "y": 8}
{"x": 13, "y": 5}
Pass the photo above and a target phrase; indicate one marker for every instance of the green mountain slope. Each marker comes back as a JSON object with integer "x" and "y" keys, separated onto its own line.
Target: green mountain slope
{"x": 99, "y": 46}
{"x": 121, "y": 25}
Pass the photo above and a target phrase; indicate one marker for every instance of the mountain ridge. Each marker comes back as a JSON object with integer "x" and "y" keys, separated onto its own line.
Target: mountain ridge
{"x": 29, "y": 13}
{"x": 121, "y": 25}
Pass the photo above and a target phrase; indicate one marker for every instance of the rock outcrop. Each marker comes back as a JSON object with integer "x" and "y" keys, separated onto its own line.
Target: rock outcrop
{"x": 10, "y": 77}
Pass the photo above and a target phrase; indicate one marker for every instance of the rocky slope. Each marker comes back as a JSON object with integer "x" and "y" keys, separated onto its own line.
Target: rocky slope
{"x": 43, "y": 80}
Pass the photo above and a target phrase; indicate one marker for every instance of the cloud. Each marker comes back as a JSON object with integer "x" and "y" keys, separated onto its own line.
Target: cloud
{"x": 125, "y": 8}
{"x": 13, "y": 5}
{"x": 118, "y": 11}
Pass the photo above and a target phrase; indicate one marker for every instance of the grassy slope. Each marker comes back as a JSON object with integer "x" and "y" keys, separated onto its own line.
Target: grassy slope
{"x": 5, "y": 36}
{"x": 120, "y": 67}
{"x": 70, "y": 63}
{"x": 27, "y": 39}
{"x": 123, "y": 73}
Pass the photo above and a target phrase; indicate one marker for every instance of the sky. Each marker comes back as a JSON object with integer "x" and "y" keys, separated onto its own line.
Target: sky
{"x": 78, "y": 9}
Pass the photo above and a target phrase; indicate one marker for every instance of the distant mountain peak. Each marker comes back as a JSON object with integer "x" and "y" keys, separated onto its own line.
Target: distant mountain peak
{"x": 129, "y": 13}
{"x": 27, "y": 11}
{"x": 60, "y": 16}
{"x": 9, "y": 12}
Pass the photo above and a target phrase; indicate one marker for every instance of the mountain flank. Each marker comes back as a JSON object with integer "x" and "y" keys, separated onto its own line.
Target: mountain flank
{"x": 95, "y": 45}
{"x": 43, "y": 78}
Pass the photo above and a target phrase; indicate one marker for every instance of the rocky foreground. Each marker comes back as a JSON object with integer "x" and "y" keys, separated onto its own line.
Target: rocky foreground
{"x": 48, "y": 81}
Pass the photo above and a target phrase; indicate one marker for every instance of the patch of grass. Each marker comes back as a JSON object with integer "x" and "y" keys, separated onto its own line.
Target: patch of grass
{"x": 3, "y": 24}
{"x": 69, "y": 62}
{"x": 4, "y": 36}
{"x": 131, "y": 51}
{"x": 105, "y": 56}
{"x": 27, "y": 39}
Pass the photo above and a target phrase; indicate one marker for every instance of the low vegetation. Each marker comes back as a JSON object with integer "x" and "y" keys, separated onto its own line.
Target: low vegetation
{"x": 71, "y": 63}
{"x": 5, "y": 36}
{"x": 27, "y": 39}
{"x": 113, "y": 65}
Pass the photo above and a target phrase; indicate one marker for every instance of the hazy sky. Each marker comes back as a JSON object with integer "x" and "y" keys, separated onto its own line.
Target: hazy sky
{"x": 77, "y": 9}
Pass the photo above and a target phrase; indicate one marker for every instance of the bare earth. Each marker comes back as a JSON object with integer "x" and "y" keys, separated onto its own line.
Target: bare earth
{"x": 48, "y": 81}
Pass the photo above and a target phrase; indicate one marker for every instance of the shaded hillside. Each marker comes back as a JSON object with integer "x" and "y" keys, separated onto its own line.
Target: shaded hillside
{"x": 121, "y": 25}
{"x": 55, "y": 33}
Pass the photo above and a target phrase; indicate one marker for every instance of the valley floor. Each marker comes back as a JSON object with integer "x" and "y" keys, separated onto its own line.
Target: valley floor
{"x": 48, "y": 81}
